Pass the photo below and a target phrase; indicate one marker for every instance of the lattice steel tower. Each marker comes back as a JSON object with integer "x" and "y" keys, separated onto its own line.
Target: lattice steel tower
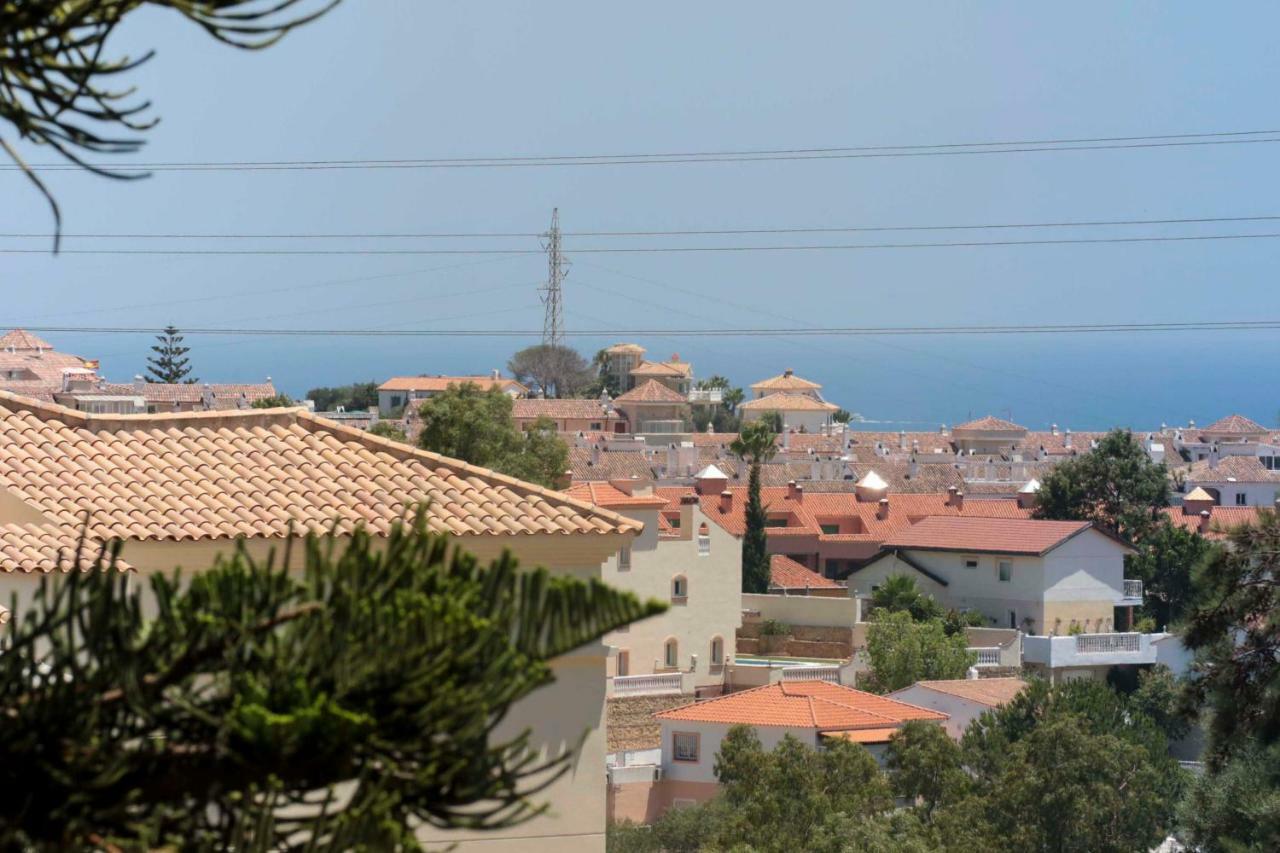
{"x": 551, "y": 293}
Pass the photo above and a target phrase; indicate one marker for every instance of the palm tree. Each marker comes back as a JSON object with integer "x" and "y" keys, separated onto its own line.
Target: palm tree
{"x": 899, "y": 592}
{"x": 755, "y": 445}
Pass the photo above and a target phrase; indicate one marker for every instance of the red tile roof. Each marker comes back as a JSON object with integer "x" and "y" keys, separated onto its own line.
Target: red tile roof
{"x": 673, "y": 368}
{"x": 1242, "y": 469}
{"x": 609, "y": 496}
{"x": 992, "y": 692}
{"x": 783, "y": 402}
{"x": 990, "y": 424}
{"x": 652, "y": 391}
{"x": 587, "y": 410}
{"x": 816, "y": 705}
{"x": 442, "y": 383}
{"x": 21, "y": 339}
{"x": 180, "y": 392}
{"x": 990, "y": 535}
{"x": 1221, "y": 519}
{"x": 786, "y": 573}
{"x": 1238, "y": 424}
{"x": 786, "y": 381}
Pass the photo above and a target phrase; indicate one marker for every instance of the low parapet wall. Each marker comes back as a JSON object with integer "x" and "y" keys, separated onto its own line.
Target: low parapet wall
{"x": 804, "y": 610}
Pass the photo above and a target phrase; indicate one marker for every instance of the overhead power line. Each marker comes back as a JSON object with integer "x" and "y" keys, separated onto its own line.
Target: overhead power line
{"x": 689, "y": 232}
{"x": 1245, "y": 137}
{"x": 595, "y": 250}
{"x": 827, "y": 331}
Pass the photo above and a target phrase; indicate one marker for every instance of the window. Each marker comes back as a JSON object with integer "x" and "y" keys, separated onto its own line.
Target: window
{"x": 624, "y": 558}
{"x": 671, "y": 654}
{"x": 1005, "y": 569}
{"x": 775, "y": 522}
{"x": 674, "y": 521}
{"x": 679, "y": 588}
{"x": 396, "y": 401}
{"x": 595, "y": 426}
{"x": 717, "y": 651}
{"x": 684, "y": 746}
{"x": 971, "y": 562}
{"x": 830, "y": 528}
{"x": 624, "y": 662}
{"x": 1013, "y": 619}
{"x": 704, "y": 540}
{"x": 1240, "y": 499}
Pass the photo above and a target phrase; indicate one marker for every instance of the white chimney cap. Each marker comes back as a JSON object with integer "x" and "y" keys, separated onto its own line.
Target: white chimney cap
{"x": 711, "y": 472}
{"x": 872, "y": 480}
{"x": 1030, "y": 488}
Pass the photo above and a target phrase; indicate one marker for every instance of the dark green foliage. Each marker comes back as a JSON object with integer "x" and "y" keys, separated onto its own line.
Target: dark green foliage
{"x": 902, "y": 651}
{"x": 475, "y": 426}
{"x": 61, "y": 88}
{"x": 1236, "y": 809}
{"x": 924, "y": 766}
{"x": 278, "y": 401}
{"x": 388, "y": 429}
{"x": 1157, "y": 697}
{"x": 360, "y": 395}
{"x": 552, "y": 371}
{"x": 900, "y": 593}
{"x": 385, "y": 666}
{"x": 755, "y": 446}
{"x": 1116, "y": 486}
{"x": 1166, "y": 558}
{"x": 841, "y": 416}
{"x": 170, "y": 363}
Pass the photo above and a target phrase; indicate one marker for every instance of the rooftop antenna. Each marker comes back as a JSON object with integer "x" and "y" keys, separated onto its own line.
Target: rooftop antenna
{"x": 551, "y": 293}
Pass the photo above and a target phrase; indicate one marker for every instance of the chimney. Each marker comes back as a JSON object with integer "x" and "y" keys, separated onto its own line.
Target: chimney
{"x": 794, "y": 492}
{"x": 726, "y": 502}
{"x": 788, "y": 373}
{"x": 206, "y": 397}
{"x": 913, "y": 468}
{"x": 595, "y": 453}
{"x": 687, "y": 502}
{"x": 495, "y": 375}
{"x": 1066, "y": 439}
{"x": 1198, "y": 501}
{"x": 951, "y": 495}
{"x": 942, "y": 430}
{"x": 1213, "y": 456}
{"x": 1053, "y": 429}
{"x": 959, "y": 501}
{"x": 565, "y": 480}
{"x": 1205, "y": 516}
{"x": 902, "y": 439}
{"x": 786, "y": 438}
{"x": 882, "y": 509}
{"x": 139, "y": 383}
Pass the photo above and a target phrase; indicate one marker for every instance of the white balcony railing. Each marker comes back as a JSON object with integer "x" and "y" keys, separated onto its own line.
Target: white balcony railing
{"x": 1105, "y": 644}
{"x": 706, "y": 395}
{"x": 811, "y": 673}
{"x": 987, "y": 655}
{"x": 1133, "y": 589}
{"x": 647, "y": 685}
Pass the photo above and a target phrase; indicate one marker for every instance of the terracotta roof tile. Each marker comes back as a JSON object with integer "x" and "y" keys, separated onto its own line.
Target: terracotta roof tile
{"x": 1242, "y": 469}
{"x": 673, "y": 368}
{"x": 990, "y": 424}
{"x": 609, "y": 496}
{"x": 786, "y": 573}
{"x": 21, "y": 339}
{"x": 651, "y": 391}
{"x": 442, "y": 383}
{"x": 786, "y": 381}
{"x": 992, "y": 692}
{"x": 567, "y": 409}
{"x": 212, "y": 475}
{"x": 816, "y": 705}
{"x": 610, "y": 465}
{"x": 180, "y": 392}
{"x": 1221, "y": 519}
{"x": 1238, "y": 424}
{"x": 783, "y": 402}
{"x": 990, "y": 535}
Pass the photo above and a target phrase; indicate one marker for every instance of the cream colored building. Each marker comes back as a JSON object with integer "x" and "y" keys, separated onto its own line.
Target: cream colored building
{"x": 797, "y": 401}
{"x": 179, "y": 489}
{"x": 687, "y": 562}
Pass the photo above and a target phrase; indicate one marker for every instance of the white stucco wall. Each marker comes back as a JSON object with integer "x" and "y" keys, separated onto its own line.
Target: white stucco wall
{"x": 961, "y": 712}
{"x": 709, "y": 737}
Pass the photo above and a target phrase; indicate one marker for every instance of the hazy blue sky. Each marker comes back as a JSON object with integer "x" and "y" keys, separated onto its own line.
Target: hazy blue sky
{"x": 417, "y": 79}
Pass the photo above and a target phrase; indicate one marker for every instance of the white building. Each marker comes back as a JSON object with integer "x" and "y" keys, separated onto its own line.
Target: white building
{"x": 962, "y": 700}
{"x": 400, "y": 391}
{"x": 798, "y": 401}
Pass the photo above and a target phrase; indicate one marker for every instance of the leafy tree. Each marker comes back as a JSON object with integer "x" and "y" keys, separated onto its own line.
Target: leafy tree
{"x": 1157, "y": 697}
{"x": 900, "y": 593}
{"x": 606, "y": 381}
{"x": 277, "y": 401}
{"x": 924, "y": 766}
{"x": 62, "y": 86}
{"x": 1234, "y": 629}
{"x": 1116, "y": 486}
{"x": 1166, "y": 557}
{"x": 551, "y": 371}
{"x": 359, "y": 395}
{"x": 1237, "y": 808}
{"x": 755, "y": 445}
{"x": 841, "y": 416}
{"x": 170, "y": 364}
{"x": 730, "y": 396}
{"x": 388, "y": 429}
{"x": 475, "y": 426}
{"x": 902, "y": 651}
{"x": 380, "y": 672}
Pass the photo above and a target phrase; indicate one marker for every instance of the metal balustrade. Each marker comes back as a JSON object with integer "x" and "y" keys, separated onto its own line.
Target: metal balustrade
{"x": 1133, "y": 589}
{"x": 1093, "y": 644}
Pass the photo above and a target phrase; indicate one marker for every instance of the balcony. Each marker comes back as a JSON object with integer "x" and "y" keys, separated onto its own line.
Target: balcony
{"x": 1090, "y": 650}
{"x": 1132, "y": 594}
{"x": 987, "y": 655}
{"x": 661, "y": 684}
{"x": 708, "y": 396}
{"x": 811, "y": 673}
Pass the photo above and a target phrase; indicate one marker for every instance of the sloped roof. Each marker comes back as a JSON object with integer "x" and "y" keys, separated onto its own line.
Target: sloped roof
{"x": 783, "y": 402}
{"x": 206, "y": 475}
{"x": 872, "y": 480}
{"x": 536, "y": 407}
{"x": 601, "y": 493}
{"x": 1236, "y": 424}
{"x": 609, "y": 465}
{"x": 803, "y": 704}
{"x": 992, "y": 692}
{"x": 677, "y": 369}
{"x": 43, "y": 549}
{"x": 1242, "y": 469}
{"x": 1198, "y": 494}
{"x": 21, "y": 339}
{"x": 786, "y": 573}
{"x": 989, "y": 424}
{"x": 442, "y": 383}
{"x": 1221, "y": 519}
{"x": 651, "y": 391}
{"x": 711, "y": 472}
{"x": 181, "y": 392}
{"x": 785, "y": 381}
{"x": 1028, "y": 536}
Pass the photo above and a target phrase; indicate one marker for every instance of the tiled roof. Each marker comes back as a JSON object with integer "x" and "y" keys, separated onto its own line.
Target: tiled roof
{"x": 35, "y": 548}
{"x": 673, "y": 368}
{"x": 786, "y": 573}
{"x": 210, "y": 475}
{"x": 442, "y": 383}
{"x": 1242, "y": 469}
{"x": 626, "y": 348}
{"x": 652, "y": 391}
{"x": 783, "y": 402}
{"x": 46, "y": 366}
{"x": 1238, "y": 424}
{"x": 989, "y": 424}
{"x": 863, "y": 735}
{"x": 814, "y": 509}
{"x": 787, "y": 381}
{"x": 610, "y": 465}
{"x": 21, "y": 339}
{"x": 1198, "y": 494}
{"x": 34, "y": 389}
{"x": 181, "y": 392}
{"x": 609, "y": 496}
{"x": 992, "y": 692}
{"x": 816, "y": 705}
{"x": 1221, "y": 519}
{"x": 531, "y": 408}
{"x": 991, "y": 535}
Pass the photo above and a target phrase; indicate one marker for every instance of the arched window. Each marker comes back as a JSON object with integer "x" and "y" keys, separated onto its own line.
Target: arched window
{"x": 717, "y": 651}
{"x": 671, "y": 653}
{"x": 704, "y": 540}
{"x": 679, "y": 588}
